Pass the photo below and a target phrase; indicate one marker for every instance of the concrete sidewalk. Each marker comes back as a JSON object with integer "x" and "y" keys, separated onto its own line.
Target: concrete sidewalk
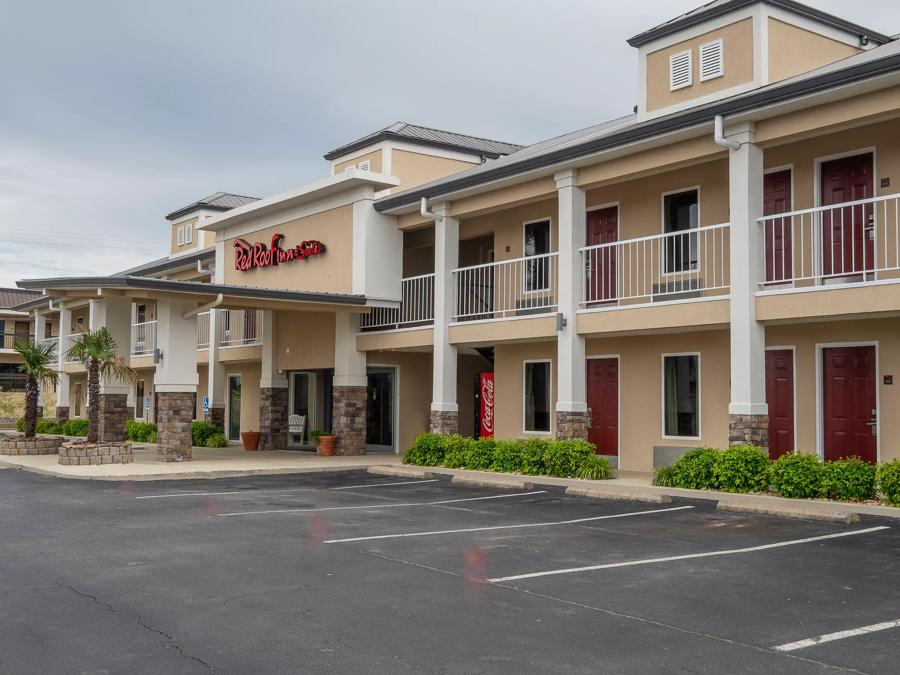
{"x": 640, "y": 489}
{"x": 207, "y": 463}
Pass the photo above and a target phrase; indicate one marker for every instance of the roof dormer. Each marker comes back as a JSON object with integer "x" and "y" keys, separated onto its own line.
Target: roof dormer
{"x": 728, "y": 47}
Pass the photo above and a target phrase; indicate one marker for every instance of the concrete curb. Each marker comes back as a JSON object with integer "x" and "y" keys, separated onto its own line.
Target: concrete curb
{"x": 488, "y": 481}
{"x": 801, "y": 511}
{"x": 405, "y": 471}
{"x": 615, "y": 492}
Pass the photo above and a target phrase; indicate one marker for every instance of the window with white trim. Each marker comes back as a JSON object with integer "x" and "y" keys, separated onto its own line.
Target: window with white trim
{"x": 537, "y": 396}
{"x": 537, "y": 243}
{"x": 681, "y": 396}
{"x": 179, "y": 236}
{"x": 712, "y": 60}
{"x": 681, "y": 70}
{"x": 189, "y": 233}
{"x": 681, "y": 215}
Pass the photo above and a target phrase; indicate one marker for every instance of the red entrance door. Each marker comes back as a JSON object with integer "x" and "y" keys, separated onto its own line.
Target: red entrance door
{"x": 603, "y": 402}
{"x": 777, "y": 199}
{"x": 849, "y": 408}
{"x": 848, "y": 243}
{"x": 602, "y": 228}
{"x": 780, "y": 398}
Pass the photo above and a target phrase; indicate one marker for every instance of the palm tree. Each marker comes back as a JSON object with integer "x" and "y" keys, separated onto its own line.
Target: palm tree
{"x": 36, "y": 360}
{"x": 96, "y": 349}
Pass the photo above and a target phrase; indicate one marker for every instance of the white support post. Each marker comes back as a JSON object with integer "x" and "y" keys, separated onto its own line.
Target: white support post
{"x": 114, "y": 314}
{"x": 748, "y": 409}
{"x": 62, "y": 386}
{"x": 273, "y": 389}
{"x": 176, "y": 378}
{"x": 215, "y": 385}
{"x": 444, "y": 405}
{"x": 571, "y": 404}
{"x": 350, "y": 391}
{"x": 349, "y": 363}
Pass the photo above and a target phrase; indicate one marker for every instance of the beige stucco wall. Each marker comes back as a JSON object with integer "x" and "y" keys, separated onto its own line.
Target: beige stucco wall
{"x": 508, "y": 378}
{"x": 805, "y": 337}
{"x": 738, "y": 47}
{"x": 794, "y": 50}
{"x": 374, "y": 157}
{"x": 250, "y": 374}
{"x": 416, "y": 168}
{"x": 331, "y": 272}
{"x": 413, "y": 382}
{"x": 305, "y": 340}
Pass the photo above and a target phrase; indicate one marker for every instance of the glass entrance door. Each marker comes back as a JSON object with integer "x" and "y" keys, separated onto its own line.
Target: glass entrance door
{"x": 380, "y": 410}
{"x": 234, "y": 407}
{"x": 303, "y": 409}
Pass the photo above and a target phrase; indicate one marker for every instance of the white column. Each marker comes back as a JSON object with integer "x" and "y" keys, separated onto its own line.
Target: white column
{"x": 570, "y": 368}
{"x": 65, "y": 329}
{"x": 349, "y": 363}
{"x": 176, "y": 339}
{"x": 748, "y": 337}
{"x": 215, "y": 386}
{"x": 446, "y": 259}
{"x": 113, "y": 313}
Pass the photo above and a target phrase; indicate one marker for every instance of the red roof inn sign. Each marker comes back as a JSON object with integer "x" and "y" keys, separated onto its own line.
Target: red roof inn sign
{"x": 248, "y": 256}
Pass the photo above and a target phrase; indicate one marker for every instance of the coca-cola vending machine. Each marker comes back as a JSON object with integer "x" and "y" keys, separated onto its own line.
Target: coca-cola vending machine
{"x": 486, "y": 406}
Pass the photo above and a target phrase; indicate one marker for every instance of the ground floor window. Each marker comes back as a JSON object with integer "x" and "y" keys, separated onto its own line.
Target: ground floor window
{"x": 537, "y": 396}
{"x": 681, "y": 395}
{"x": 139, "y": 399}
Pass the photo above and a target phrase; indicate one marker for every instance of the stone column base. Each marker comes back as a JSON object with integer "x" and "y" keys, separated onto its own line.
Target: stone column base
{"x": 113, "y": 416}
{"x": 217, "y": 417}
{"x": 62, "y": 414}
{"x": 273, "y": 418}
{"x": 130, "y": 412}
{"x": 749, "y": 429}
{"x": 174, "y": 434}
{"x": 444, "y": 422}
{"x": 571, "y": 424}
{"x": 349, "y": 419}
{"x": 81, "y": 453}
{"x": 17, "y": 444}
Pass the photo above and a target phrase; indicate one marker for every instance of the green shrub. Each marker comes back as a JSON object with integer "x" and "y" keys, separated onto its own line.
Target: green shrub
{"x": 849, "y": 480}
{"x": 140, "y": 432}
{"x": 45, "y": 426}
{"x": 76, "y": 427}
{"x": 798, "y": 475}
{"x": 456, "y": 451}
{"x": 595, "y": 467}
{"x": 665, "y": 477}
{"x": 742, "y": 468}
{"x": 888, "y": 477}
{"x": 20, "y": 424}
{"x": 563, "y": 457}
{"x": 201, "y": 431}
{"x": 428, "y": 450}
{"x": 531, "y": 456}
{"x": 217, "y": 441}
{"x": 696, "y": 469}
{"x": 507, "y": 456}
{"x": 480, "y": 456}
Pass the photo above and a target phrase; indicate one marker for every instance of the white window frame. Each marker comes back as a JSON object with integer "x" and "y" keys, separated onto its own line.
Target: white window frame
{"x": 662, "y": 398}
{"x": 189, "y": 233}
{"x": 179, "y": 236}
{"x": 690, "y": 70}
{"x": 549, "y": 363}
{"x": 662, "y": 227}
{"x": 720, "y": 72}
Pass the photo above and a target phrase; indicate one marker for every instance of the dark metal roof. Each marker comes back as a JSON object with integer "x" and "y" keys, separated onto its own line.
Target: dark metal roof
{"x": 167, "y": 263}
{"x": 218, "y": 201}
{"x": 865, "y": 65}
{"x": 151, "y": 284}
{"x": 435, "y": 138}
{"x": 718, "y": 8}
{"x": 10, "y": 297}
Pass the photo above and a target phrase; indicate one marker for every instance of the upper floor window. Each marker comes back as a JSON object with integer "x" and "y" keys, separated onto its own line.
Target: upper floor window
{"x": 48, "y": 329}
{"x": 681, "y": 214}
{"x": 681, "y": 70}
{"x": 537, "y": 243}
{"x": 712, "y": 60}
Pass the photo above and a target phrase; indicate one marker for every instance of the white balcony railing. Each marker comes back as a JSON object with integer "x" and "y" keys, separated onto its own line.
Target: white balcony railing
{"x": 67, "y": 343}
{"x": 203, "y": 330}
{"x": 238, "y": 327}
{"x": 143, "y": 338}
{"x": 851, "y": 241}
{"x": 416, "y": 307}
{"x": 54, "y": 342}
{"x": 658, "y": 268}
{"x": 507, "y": 288}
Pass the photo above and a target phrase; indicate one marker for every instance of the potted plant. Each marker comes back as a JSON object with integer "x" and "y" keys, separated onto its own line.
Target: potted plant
{"x": 36, "y": 360}
{"x": 250, "y": 439}
{"x": 324, "y": 442}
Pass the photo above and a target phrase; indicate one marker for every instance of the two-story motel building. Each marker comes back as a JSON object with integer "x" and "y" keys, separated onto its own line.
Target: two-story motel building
{"x": 721, "y": 265}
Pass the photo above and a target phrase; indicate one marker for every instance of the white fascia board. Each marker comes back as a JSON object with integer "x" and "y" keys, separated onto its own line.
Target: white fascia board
{"x": 471, "y": 157}
{"x": 325, "y": 187}
{"x": 698, "y": 30}
{"x": 199, "y": 213}
{"x": 368, "y": 150}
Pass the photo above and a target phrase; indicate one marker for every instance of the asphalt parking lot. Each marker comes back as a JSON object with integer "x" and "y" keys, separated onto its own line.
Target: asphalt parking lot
{"x": 355, "y": 573}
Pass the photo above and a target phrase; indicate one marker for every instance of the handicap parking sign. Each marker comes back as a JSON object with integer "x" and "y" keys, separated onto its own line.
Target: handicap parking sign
{"x": 147, "y": 404}
{"x": 206, "y": 405}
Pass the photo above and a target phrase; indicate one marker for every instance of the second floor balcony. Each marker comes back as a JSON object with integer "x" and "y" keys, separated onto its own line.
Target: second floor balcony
{"x": 8, "y": 340}
{"x": 416, "y": 308}
{"x": 234, "y": 328}
{"x": 507, "y": 289}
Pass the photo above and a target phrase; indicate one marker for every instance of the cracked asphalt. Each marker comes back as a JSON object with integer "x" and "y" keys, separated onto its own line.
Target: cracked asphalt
{"x": 354, "y": 573}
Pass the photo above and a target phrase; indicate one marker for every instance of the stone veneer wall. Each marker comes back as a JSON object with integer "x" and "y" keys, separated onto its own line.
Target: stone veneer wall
{"x": 217, "y": 417}
{"x": 273, "y": 418}
{"x": 62, "y": 414}
{"x": 80, "y": 453}
{"x": 571, "y": 425}
{"x": 444, "y": 422}
{"x": 113, "y": 416}
{"x": 174, "y": 434}
{"x": 749, "y": 429}
{"x": 349, "y": 419}
{"x": 17, "y": 444}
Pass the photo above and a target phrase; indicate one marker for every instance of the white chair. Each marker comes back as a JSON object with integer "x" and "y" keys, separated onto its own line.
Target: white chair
{"x": 297, "y": 425}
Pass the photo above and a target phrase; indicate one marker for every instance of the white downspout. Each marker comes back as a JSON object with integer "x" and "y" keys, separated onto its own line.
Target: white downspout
{"x": 423, "y": 209}
{"x": 719, "y": 135}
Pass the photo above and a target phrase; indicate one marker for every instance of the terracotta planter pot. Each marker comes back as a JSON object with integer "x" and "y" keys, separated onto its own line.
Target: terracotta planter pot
{"x": 250, "y": 439}
{"x": 326, "y": 444}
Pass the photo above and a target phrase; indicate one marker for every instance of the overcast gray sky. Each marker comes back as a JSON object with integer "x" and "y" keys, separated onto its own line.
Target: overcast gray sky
{"x": 115, "y": 113}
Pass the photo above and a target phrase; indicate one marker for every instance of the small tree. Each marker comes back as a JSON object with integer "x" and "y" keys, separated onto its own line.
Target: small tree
{"x": 36, "y": 360}
{"x": 97, "y": 350}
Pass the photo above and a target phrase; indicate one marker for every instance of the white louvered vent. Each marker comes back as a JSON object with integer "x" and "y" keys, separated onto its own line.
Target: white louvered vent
{"x": 712, "y": 60}
{"x": 189, "y": 233}
{"x": 179, "y": 236}
{"x": 365, "y": 166}
{"x": 681, "y": 70}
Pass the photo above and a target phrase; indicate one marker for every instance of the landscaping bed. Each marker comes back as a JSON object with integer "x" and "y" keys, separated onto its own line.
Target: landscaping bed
{"x": 82, "y": 453}
{"x": 18, "y": 445}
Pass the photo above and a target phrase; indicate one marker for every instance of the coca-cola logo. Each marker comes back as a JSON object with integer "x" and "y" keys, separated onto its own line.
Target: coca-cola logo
{"x": 248, "y": 256}
{"x": 487, "y": 405}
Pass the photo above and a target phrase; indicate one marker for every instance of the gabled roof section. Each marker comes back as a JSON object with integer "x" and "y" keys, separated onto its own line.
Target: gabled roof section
{"x": 169, "y": 264}
{"x": 435, "y": 138}
{"x": 218, "y": 201}
{"x": 10, "y": 297}
{"x": 717, "y": 8}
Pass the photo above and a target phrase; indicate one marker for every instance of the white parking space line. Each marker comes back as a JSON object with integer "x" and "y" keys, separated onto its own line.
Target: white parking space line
{"x": 371, "y": 485}
{"x": 284, "y": 490}
{"x": 505, "y": 527}
{"x": 382, "y": 506}
{"x": 688, "y": 556}
{"x": 839, "y": 635}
